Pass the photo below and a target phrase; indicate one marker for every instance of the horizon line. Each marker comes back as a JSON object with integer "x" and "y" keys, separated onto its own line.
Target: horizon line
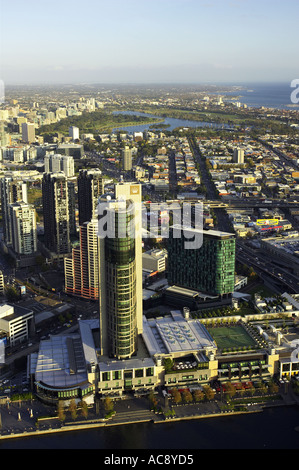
{"x": 146, "y": 83}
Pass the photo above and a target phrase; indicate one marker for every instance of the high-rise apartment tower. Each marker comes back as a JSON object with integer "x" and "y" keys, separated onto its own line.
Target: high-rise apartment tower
{"x": 210, "y": 268}
{"x": 58, "y": 194}
{"x": 90, "y": 188}
{"x": 12, "y": 190}
{"x": 81, "y": 270}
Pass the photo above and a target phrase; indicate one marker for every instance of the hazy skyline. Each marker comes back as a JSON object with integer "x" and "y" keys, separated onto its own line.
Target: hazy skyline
{"x": 142, "y": 41}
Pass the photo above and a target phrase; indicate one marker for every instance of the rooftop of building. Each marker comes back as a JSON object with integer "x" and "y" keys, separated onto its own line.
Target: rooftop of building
{"x": 155, "y": 253}
{"x": 11, "y": 312}
{"x": 175, "y": 334}
{"x": 288, "y": 244}
{"x": 183, "y": 291}
{"x": 69, "y": 145}
{"x": 206, "y": 233}
{"x": 60, "y": 362}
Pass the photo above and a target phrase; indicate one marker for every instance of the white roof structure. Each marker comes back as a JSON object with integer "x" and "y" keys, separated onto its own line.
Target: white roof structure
{"x": 60, "y": 362}
{"x": 175, "y": 334}
{"x": 6, "y": 310}
{"x": 89, "y": 349}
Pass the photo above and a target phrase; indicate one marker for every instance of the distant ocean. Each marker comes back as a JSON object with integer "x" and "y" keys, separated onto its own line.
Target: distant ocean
{"x": 254, "y": 95}
{"x": 269, "y": 95}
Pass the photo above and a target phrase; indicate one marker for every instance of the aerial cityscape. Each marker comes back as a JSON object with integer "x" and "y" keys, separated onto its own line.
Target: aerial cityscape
{"x": 149, "y": 243}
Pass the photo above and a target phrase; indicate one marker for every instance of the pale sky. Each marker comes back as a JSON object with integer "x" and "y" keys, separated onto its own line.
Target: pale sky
{"x": 148, "y": 41}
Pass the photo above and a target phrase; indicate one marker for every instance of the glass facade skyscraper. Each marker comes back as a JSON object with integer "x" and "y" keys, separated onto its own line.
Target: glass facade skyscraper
{"x": 209, "y": 269}
{"x": 120, "y": 295}
{"x": 121, "y": 287}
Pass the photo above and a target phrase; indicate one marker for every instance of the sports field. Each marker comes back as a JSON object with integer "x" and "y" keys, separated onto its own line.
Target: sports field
{"x": 231, "y": 337}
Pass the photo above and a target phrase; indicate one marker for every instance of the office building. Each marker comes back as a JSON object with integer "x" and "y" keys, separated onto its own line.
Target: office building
{"x": 90, "y": 188}
{"x": 58, "y": 212}
{"x": 4, "y": 136}
{"x": 209, "y": 269}
{"x": 284, "y": 250}
{"x": 238, "y": 156}
{"x": 127, "y": 158}
{"x": 56, "y": 163}
{"x": 12, "y": 190}
{"x": 17, "y": 323}
{"x": 81, "y": 270}
{"x": 30, "y": 154}
{"x": 133, "y": 193}
{"x": 74, "y": 133}
{"x": 73, "y": 150}
{"x": 23, "y": 225}
{"x": 154, "y": 260}
{"x": 28, "y": 132}
{"x": 120, "y": 296}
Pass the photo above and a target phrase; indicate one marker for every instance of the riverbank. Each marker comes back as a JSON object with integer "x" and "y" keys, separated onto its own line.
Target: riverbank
{"x": 128, "y": 412}
{"x": 99, "y": 122}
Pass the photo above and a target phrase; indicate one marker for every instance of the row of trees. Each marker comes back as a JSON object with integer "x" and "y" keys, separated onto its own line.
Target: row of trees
{"x": 93, "y": 122}
{"x": 230, "y": 391}
{"x": 198, "y": 395}
{"x": 75, "y": 410}
{"x": 261, "y": 388}
{"x": 81, "y": 409}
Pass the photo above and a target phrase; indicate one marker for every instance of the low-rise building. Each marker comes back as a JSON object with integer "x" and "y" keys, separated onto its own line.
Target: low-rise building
{"x": 285, "y": 250}
{"x": 154, "y": 260}
{"x": 17, "y": 323}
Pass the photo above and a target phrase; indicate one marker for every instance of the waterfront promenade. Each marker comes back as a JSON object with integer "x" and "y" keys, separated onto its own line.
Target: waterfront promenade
{"x": 35, "y": 418}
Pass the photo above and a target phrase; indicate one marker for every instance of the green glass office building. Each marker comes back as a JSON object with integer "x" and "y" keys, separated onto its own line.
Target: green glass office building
{"x": 121, "y": 286}
{"x": 209, "y": 269}
{"x": 120, "y": 271}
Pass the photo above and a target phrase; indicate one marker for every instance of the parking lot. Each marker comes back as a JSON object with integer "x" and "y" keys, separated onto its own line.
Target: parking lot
{"x": 19, "y": 383}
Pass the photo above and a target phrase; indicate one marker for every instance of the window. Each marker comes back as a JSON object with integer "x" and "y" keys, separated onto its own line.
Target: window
{"x": 203, "y": 365}
{"x": 171, "y": 381}
{"x": 149, "y": 371}
{"x": 106, "y": 376}
{"x": 116, "y": 374}
{"x": 128, "y": 374}
{"x": 139, "y": 373}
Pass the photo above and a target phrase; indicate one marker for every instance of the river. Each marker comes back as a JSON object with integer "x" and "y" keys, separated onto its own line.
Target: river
{"x": 172, "y": 123}
{"x": 273, "y": 95}
{"x": 274, "y": 428}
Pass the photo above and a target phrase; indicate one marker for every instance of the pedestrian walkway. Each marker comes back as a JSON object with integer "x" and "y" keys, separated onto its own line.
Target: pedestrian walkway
{"x": 133, "y": 416}
{"x": 195, "y": 410}
{"x": 21, "y": 417}
{"x": 17, "y": 419}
